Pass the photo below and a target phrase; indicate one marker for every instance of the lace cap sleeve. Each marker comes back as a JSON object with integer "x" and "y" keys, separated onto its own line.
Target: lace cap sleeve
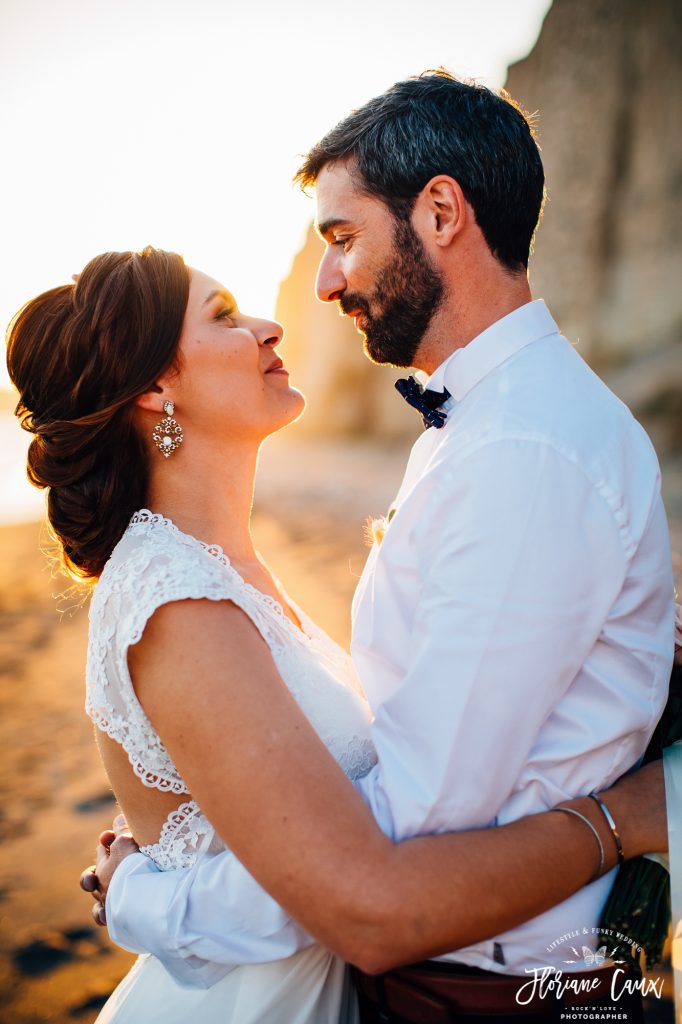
{"x": 152, "y": 565}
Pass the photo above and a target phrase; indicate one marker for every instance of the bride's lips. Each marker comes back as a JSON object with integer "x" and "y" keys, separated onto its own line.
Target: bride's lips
{"x": 278, "y": 367}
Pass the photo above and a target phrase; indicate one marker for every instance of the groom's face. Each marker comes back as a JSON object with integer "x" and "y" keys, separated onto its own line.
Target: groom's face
{"x": 376, "y": 268}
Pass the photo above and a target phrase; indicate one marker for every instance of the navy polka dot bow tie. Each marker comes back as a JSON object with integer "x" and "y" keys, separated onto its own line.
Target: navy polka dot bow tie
{"x": 425, "y": 401}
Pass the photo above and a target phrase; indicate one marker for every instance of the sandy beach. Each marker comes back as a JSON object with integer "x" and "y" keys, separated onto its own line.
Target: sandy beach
{"x": 55, "y": 965}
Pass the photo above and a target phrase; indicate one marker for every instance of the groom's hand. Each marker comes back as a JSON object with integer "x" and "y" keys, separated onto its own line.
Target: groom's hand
{"x": 113, "y": 847}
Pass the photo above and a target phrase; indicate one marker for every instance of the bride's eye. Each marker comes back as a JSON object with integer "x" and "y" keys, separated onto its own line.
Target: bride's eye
{"x": 225, "y": 314}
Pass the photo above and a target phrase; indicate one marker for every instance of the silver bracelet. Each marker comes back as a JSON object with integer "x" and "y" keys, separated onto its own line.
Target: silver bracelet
{"x": 577, "y": 814}
{"x": 612, "y": 825}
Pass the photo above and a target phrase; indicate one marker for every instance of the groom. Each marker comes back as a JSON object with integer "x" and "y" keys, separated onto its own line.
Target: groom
{"x": 513, "y": 631}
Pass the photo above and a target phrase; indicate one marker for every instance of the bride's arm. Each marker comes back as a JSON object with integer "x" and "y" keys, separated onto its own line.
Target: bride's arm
{"x": 263, "y": 777}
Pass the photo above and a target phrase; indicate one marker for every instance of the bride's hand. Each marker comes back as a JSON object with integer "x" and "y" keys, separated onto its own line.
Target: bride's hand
{"x": 114, "y": 846}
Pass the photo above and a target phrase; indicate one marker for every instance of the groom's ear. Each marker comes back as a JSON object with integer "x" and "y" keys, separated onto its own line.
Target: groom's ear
{"x": 442, "y": 210}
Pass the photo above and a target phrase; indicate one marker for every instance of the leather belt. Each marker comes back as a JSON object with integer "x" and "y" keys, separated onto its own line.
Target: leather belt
{"x": 419, "y": 993}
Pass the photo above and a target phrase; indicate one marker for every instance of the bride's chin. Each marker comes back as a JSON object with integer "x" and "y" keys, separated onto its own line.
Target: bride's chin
{"x": 298, "y": 403}
{"x": 295, "y": 406}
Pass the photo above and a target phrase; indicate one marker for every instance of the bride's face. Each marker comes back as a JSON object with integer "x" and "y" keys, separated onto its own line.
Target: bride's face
{"x": 231, "y": 382}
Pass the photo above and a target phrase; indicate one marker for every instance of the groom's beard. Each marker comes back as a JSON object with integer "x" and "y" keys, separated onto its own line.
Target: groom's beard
{"x": 408, "y": 292}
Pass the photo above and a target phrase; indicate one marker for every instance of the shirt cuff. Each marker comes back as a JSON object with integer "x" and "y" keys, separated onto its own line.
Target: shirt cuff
{"x": 139, "y": 933}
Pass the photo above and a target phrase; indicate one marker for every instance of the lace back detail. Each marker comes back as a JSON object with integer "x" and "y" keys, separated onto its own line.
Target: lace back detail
{"x": 184, "y": 833}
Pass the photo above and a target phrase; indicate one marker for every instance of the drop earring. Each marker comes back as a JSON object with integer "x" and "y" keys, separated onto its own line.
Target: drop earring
{"x": 167, "y": 435}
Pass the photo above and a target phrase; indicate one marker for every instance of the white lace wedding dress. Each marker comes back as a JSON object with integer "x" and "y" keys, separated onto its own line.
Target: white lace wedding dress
{"x": 155, "y": 563}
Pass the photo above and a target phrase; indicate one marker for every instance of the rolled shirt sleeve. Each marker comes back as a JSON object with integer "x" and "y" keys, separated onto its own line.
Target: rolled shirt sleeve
{"x": 200, "y": 922}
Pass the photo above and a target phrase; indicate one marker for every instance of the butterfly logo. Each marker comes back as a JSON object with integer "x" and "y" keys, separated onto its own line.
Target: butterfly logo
{"x": 589, "y": 958}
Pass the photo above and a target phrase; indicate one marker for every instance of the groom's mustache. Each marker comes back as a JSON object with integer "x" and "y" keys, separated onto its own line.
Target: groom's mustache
{"x": 353, "y": 304}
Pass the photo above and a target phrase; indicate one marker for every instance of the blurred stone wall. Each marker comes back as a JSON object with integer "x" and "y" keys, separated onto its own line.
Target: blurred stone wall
{"x": 606, "y": 79}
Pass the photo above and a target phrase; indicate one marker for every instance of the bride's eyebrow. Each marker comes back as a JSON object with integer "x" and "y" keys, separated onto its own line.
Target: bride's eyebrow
{"x": 223, "y": 294}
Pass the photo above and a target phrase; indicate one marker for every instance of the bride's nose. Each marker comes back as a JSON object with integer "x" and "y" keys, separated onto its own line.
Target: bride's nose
{"x": 268, "y": 333}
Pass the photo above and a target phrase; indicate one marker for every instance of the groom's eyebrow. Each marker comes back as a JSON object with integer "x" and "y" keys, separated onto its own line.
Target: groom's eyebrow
{"x": 326, "y": 226}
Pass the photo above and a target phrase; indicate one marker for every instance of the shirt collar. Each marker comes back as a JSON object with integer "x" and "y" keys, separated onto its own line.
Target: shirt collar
{"x": 466, "y": 367}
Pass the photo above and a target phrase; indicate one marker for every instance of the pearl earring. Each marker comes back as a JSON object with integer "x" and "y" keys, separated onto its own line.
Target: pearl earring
{"x": 167, "y": 435}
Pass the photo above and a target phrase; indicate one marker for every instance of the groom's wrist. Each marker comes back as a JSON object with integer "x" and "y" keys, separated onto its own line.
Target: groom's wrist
{"x": 596, "y": 826}
{"x": 638, "y": 807}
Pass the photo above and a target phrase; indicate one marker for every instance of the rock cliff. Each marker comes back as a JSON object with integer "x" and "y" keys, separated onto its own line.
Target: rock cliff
{"x": 606, "y": 79}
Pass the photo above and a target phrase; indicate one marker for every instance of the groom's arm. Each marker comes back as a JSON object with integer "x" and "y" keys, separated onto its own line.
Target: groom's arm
{"x": 521, "y": 557}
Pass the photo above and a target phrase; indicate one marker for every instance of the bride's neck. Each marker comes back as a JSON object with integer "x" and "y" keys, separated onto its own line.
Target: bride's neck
{"x": 209, "y": 494}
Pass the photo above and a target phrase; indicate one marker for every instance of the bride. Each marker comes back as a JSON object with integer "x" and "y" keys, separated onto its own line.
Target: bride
{"x": 217, "y": 701}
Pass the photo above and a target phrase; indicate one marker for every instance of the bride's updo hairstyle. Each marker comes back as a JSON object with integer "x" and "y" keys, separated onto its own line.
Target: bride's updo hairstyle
{"x": 79, "y": 355}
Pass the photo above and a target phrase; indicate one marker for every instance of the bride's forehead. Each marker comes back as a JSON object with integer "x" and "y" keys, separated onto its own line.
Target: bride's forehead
{"x": 202, "y": 289}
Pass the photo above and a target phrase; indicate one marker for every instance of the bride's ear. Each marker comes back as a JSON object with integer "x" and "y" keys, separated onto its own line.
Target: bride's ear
{"x": 153, "y": 400}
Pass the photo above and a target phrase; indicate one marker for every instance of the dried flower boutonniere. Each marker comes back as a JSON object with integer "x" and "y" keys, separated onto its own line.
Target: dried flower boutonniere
{"x": 375, "y": 528}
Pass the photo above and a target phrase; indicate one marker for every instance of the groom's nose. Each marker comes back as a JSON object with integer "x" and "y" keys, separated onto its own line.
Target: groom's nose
{"x": 330, "y": 283}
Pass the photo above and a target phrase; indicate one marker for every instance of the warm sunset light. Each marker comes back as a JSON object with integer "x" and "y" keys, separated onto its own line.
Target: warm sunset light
{"x": 181, "y": 126}
{"x": 354, "y": 607}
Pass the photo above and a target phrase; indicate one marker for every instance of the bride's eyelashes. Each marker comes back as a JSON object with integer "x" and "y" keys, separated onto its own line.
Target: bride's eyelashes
{"x": 225, "y": 314}
{"x": 229, "y": 308}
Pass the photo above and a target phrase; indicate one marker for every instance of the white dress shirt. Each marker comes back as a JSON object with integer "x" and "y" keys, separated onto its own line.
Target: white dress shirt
{"x": 513, "y": 633}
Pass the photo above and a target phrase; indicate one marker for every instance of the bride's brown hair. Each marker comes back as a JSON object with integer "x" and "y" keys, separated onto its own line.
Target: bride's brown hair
{"x": 79, "y": 355}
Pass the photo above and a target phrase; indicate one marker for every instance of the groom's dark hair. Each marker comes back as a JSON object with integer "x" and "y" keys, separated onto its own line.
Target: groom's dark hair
{"x": 436, "y": 124}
